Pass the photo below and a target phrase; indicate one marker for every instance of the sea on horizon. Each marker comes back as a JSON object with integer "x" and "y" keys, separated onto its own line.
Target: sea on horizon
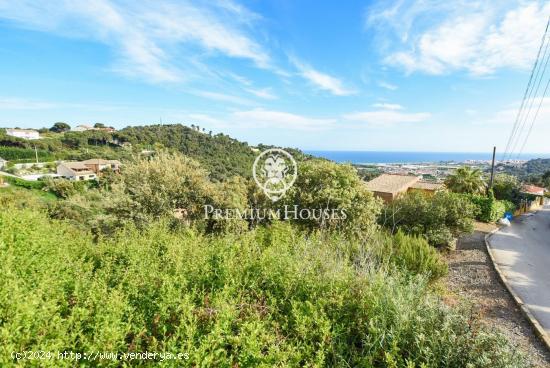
{"x": 395, "y": 157}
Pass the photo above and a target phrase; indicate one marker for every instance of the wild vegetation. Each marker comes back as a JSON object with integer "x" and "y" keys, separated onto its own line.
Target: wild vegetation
{"x": 112, "y": 268}
{"x": 440, "y": 218}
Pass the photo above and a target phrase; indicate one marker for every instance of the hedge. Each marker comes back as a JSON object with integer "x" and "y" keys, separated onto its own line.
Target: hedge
{"x": 489, "y": 208}
{"x": 14, "y": 153}
{"x": 25, "y": 183}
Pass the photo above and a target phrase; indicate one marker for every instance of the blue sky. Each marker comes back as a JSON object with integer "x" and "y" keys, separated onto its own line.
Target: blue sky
{"x": 354, "y": 75}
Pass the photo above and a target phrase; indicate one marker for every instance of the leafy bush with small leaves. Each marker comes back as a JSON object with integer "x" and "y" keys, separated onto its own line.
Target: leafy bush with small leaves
{"x": 62, "y": 188}
{"x": 490, "y": 209}
{"x": 269, "y": 297}
{"x": 323, "y": 184}
{"x": 438, "y": 218}
{"x": 27, "y": 184}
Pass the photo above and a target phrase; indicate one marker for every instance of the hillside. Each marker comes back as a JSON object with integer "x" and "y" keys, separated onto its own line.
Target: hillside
{"x": 534, "y": 167}
{"x": 221, "y": 155}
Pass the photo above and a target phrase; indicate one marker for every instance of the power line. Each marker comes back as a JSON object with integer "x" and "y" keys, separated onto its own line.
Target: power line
{"x": 527, "y": 89}
{"x": 531, "y": 98}
{"x": 534, "y": 118}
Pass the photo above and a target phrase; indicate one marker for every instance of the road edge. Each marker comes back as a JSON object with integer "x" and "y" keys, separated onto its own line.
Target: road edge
{"x": 539, "y": 331}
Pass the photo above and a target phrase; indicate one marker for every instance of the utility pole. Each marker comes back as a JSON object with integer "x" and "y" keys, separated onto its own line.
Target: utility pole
{"x": 492, "y": 169}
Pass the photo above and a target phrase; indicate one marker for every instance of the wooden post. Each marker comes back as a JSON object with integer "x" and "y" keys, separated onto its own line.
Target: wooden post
{"x": 492, "y": 169}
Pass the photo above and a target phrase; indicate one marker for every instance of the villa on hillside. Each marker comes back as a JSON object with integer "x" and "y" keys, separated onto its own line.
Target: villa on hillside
{"x": 75, "y": 171}
{"x": 88, "y": 169}
{"x": 389, "y": 186}
{"x": 97, "y": 165}
{"x": 82, "y": 128}
{"x": 23, "y": 133}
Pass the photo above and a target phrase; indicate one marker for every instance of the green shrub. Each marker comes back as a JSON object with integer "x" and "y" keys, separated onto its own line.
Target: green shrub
{"x": 15, "y": 153}
{"x": 324, "y": 184}
{"x": 60, "y": 187}
{"x": 438, "y": 218}
{"x": 414, "y": 254}
{"x": 506, "y": 187}
{"x": 488, "y": 208}
{"x": 269, "y": 297}
{"x": 25, "y": 183}
{"x": 508, "y": 206}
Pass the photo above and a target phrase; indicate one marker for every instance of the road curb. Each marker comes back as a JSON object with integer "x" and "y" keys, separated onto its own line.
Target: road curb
{"x": 539, "y": 331}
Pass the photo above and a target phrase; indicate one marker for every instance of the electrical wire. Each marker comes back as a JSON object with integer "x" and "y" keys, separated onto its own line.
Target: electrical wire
{"x": 526, "y": 93}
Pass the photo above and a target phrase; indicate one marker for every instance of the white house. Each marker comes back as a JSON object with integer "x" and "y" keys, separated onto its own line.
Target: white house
{"x": 75, "y": 171}
{"x": 23, "y": 133}
{"x": 82, "y": 128}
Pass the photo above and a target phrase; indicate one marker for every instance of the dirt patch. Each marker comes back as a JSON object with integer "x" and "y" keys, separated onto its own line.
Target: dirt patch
{"x": 473, "y": 278}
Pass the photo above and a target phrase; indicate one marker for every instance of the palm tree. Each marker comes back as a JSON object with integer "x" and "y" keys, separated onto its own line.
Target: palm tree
{"x": 466, "y": 180}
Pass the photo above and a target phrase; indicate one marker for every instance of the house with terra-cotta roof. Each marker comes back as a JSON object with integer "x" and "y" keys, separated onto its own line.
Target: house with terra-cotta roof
{"x": 533, "y": 197}
{"x": 390, "y": 186}
{"x": 75, "y": 171}
{"x": 97, "y": 165}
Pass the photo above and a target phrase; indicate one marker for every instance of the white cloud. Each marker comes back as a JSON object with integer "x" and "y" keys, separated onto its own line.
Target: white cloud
{"x": 387, "y": 85}
{"x": 153, "y": 39}
{"x": 479, "y": 37}
{"x": 388, "y": 106}
{"x": 321, "y": 80}
{"x": 280, "y": 119}
{"x": 387, "y": 117}
{"x": 264, "y": 93}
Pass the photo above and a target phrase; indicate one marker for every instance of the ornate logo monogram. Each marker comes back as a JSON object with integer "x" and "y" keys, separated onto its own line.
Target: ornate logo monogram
{"x": 274, "y": 171}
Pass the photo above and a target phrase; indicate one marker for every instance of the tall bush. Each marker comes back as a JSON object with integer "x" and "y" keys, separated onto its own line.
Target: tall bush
{"x": 490, "y": 209}
{"x": 322, "y": 184}
{"x": 439, "y": 218}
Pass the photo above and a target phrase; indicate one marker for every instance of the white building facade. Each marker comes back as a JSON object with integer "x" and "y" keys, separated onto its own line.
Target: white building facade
{"x": 23, "y": 133}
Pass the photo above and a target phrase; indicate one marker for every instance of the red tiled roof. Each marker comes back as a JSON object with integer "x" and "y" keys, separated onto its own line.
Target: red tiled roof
{"x": 532, "y": 189}
{"x": 387, "y": 183}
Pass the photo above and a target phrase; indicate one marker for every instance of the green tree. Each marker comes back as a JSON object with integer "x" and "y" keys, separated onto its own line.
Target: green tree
{"x": 99, "y": 125}
{"x": 323, "y": 184}
{"x": 156, "y": 187}
{"x": 60, "y": 127}
{"x": 466, "y": 180}
{"x": 506, "y": 187}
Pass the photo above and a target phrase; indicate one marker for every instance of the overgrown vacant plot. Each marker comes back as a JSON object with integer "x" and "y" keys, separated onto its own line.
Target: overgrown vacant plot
{"x": 271, "y": 296}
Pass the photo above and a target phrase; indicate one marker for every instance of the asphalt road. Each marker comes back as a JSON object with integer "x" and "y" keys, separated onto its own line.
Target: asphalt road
{"x": 522, "y": 251}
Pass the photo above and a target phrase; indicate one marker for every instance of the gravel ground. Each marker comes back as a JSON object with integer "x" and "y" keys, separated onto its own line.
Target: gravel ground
{"x": 473, "y": 278}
